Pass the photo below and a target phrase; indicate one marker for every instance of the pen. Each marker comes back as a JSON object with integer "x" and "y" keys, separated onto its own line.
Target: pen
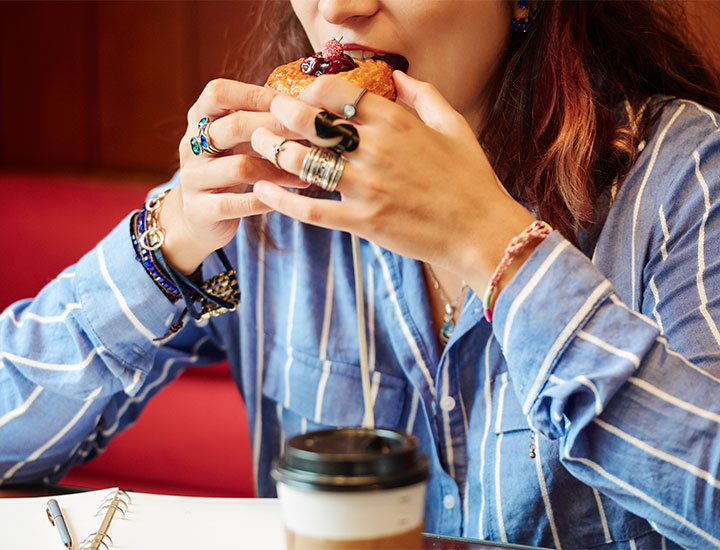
{"x": 56, "y": 518}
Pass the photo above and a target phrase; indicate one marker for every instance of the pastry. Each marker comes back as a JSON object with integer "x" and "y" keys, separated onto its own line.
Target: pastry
{"x": 372, "y": 73}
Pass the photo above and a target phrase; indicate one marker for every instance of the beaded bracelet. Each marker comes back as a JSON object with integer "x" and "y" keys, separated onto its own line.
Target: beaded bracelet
{"x": 217, "y": 295}
{"x": 145, "y": 257}
{"x": 536, "y": 230}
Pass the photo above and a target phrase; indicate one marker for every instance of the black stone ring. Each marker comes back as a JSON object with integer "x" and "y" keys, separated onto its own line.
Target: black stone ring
{"x": 326, "y": 129}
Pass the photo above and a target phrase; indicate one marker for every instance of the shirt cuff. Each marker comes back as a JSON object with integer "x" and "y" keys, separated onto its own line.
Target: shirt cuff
{"x": 542, "y": 308}
{"x": 124, "y": 309}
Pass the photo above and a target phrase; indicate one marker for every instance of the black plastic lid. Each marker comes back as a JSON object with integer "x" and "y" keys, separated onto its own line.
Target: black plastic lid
{"x": 351, "y": 459}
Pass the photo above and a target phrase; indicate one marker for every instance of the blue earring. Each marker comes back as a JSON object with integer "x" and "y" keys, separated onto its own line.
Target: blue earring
{"x": 521, "y": 24}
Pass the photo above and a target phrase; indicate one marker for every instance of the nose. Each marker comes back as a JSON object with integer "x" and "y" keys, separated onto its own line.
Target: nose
{"x": 337, "y": 12}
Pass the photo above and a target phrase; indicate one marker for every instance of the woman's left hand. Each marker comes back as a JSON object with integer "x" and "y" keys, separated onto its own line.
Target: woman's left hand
{"x": 423, "y": 188}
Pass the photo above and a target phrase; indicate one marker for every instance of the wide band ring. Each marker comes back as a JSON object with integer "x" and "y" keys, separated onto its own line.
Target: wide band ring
{"x": 322, "y": 168}
{"x": 201, "y": 142}
{"x": 326, "y": 128}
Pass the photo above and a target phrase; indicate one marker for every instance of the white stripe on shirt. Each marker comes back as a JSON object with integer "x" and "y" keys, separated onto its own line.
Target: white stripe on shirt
{"x": 487, "y": 394}
{"x": 291, "y": 314}
{"x": 401, "y": 321}
{"x": 656, "y": 295}
{"x": 530, "y": 286}
{"x": 498, "y": 447}
{"x": 324, "y": 337}
{"x": 54, "y": 366}
{"x": 545, "y": 495}
{"x": 160, "y": 380}
{"x": 30, "y": 316}
{"x": 7, "y": 417}
{"x": 603, "y": 517}
{"x": 657, "y": 392}
{"x": 657, "y": 453}
{"x": 413, "y": 411}
{"x": 701, "y": 252}
{"x": 134, "y": 321}
{"x": 684, "y": 359}
{"x": 560, "y": 341}
{"x": 636, "y": 210}
{"x": 625, "y": 486}
{"x": 666, "y": 233}
{"x": 618, "y": 302}
{"x": 54, "y": 439}
{"x": 634, "y": 359}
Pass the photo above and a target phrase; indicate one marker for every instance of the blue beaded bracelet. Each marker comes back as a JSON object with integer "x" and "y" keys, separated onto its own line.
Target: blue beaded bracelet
{"x": 145, "y": 257}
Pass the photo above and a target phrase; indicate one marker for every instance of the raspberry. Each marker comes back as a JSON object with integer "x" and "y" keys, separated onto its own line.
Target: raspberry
{"x": 332, "y": 49}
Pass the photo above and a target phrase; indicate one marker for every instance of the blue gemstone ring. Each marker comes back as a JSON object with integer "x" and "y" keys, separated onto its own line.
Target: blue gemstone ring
{"x": 201, "y": 143}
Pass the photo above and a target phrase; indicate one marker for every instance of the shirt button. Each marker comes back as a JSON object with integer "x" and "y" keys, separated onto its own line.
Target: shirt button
{"x": 449, "y": 502}
{"x": 447, "y": 403}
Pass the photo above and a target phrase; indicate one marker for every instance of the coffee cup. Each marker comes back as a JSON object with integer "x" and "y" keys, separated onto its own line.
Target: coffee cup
{"x": 352, "y": 488}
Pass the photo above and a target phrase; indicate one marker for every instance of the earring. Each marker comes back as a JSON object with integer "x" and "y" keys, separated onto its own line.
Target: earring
{"x": 521, "y": 24}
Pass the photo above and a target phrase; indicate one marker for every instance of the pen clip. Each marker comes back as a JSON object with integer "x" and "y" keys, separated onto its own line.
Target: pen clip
{"x": 49, "y": 515}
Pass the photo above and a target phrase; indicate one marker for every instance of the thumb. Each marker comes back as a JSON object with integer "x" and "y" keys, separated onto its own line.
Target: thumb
{"x": 429, "y": 104}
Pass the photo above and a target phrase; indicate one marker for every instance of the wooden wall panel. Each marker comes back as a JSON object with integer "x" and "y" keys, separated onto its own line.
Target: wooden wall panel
{"x": 47, "y": 83}
{"x": 147, "y": 57}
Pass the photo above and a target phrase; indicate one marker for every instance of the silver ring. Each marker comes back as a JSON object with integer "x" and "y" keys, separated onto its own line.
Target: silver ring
{"x": 350, "y": 109}
{"x": 277, "y": 148}
{"x": 322, "y": 168}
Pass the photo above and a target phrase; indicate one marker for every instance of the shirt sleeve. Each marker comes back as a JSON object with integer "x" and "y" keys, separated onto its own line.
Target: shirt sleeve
{"x": 631, "y": 395}
{"x": 80, "y": 360}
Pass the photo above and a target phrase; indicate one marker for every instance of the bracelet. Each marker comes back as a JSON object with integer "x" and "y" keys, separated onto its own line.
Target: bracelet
{"x": 145, "y": 257}
{"x": 217, "y": 295}
{"x": 152, "y": 238}
{"x": 536, "y": 230}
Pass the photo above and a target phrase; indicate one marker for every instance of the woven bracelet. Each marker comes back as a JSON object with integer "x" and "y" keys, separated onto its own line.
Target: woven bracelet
{"x": 536, "y": 230}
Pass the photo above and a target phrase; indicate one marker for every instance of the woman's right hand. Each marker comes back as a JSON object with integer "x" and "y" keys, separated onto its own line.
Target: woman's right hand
{"x": 202, "y": 213}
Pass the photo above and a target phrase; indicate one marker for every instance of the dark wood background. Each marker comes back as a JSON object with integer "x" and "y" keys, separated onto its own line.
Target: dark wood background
{"x": 103, "y": 86}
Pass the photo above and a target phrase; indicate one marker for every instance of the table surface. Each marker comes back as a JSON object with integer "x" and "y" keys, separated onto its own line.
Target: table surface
{"x": 430, "y": 542}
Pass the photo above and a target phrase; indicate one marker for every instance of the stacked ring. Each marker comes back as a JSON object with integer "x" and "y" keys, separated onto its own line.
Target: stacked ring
{"x": 322, "y": 168}
{"x": 201, "y": 143}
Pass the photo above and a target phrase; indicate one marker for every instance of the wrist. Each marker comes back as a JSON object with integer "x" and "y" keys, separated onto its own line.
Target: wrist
{"x": 179, "y": 249}
{"x": 486, "y": 247}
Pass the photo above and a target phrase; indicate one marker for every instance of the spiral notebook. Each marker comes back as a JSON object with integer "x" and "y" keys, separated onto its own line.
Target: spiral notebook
{"x": 107, "y": 519}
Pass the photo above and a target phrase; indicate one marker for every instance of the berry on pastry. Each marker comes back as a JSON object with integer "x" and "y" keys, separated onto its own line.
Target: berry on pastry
{"x": 372, "y": 73}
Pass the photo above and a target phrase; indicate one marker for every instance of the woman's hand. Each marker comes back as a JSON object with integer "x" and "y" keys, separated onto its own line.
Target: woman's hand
{"x": 202, "y": 213}
{"x": 421, "y": 187}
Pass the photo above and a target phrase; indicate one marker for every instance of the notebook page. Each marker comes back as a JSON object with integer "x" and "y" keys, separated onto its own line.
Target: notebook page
{"x": 152, "y": 521}
{"x": 189, "y": 523}
{"x": 24, "y": 524}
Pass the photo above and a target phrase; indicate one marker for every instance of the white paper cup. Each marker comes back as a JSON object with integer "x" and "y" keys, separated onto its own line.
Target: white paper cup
{"x": 349, "y": 488}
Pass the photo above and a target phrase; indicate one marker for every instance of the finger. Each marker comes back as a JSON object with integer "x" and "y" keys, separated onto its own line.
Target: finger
{"x": 432, "y": 108}
{"x": 232, "y": 170}
{"x": 222, "y": 95}
{"x": 290, "y": 157}
{"x": 299, "y": 117}
{"x": 332, "y": 93}
{"x": 326, "y": 213}
{"x": 231, "y": 206}
{"x": 236, "y": 128}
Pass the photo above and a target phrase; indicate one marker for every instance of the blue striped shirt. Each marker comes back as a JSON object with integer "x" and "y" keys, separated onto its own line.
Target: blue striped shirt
{"x": 609, "y": 355}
